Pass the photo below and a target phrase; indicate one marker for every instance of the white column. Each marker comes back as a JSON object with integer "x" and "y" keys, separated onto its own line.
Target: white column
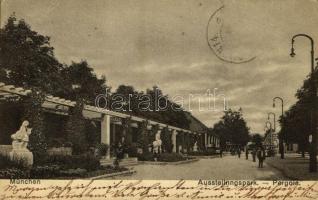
{"x": 105, "y": 132}
{"x": 174, "y": 140}
{"x": 205, "y": 139}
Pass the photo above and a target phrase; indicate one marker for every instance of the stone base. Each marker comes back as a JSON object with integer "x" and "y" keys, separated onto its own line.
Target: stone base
{"x": 24, "y": 155}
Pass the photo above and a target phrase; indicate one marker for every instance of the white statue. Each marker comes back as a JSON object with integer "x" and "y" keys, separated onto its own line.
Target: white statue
{"x": 195, "y": 147}
{"x": 21, "y": 137}
{"x": 20, "y": 142}
{"x": 157, "y": 143}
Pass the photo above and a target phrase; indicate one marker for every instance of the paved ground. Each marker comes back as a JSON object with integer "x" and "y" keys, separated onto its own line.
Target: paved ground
{"x": 228, "y": 167}
{"x": 293, "y": 166}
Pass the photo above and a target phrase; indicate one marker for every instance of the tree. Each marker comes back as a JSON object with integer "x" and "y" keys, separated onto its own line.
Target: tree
{"x": 160, "y": 108}
{"x": 75, "y": 128}
{"x": 34, "y": 114}
{"x": 81, "y": 82}
{"x": 232, "y": 128}
{"x": 27, "y": 59}
{"x": 257, "y": 139}
{"x": 297, "y": 121}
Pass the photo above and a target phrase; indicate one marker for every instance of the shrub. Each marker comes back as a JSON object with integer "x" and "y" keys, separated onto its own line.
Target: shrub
{"x": 14, "y": 173}
{"x": 73, "y": 172}
{"x": 68, "y": 144}
{"x": 6, "y": 162}
{"x": 102, "y": 149}
{"x": 146, "y": 156}
{"x": 12, "y": 168}
{"x": 84, "y": 161}
{"x": 40, "y": 158}
{"x": 56, "y": 143}
{"x": 45, "y": 171}
{"x": 132, "y": 150}
{"x": 170, "y": 157}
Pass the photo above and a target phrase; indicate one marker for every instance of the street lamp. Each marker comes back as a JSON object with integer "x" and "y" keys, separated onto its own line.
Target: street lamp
{"x": 313, "y": 149}
{"x": 270, "y": 132}
{"x": 281, "y": 142}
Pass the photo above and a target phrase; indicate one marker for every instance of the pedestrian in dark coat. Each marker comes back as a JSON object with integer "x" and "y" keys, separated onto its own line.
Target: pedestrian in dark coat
{"x": 239, "y": 152}
{"x": 261, "y": 156}
{"x": 246, "y": 153}
{"x": 254, "y": 154}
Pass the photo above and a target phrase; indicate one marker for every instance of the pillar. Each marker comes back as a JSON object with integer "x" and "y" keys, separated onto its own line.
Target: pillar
{"x": 174, "y": 141}
{"x": 205, "y": 140}
{"x": 105, "y": 133}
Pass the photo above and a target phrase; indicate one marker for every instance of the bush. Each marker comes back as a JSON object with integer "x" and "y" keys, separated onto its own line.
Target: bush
{"x": 132, "y": 150}
{"x": 102, "y": 149}
{"x": 83, "y": 161}
{"x": 73, "y": 172}
{"x": 6, "y": 162}
{"x": 68, "y": 144}
{"x": 146, "y": 156}
{"x": 203, "y": 153}
{"x": 45, "y": 171}
{"x": 40, "y": 158}
{"x": 57, "y": 142}
{"x": 12, "y": 168}
{"x": 170, "y": 157}
{"x": 14, "y": 173}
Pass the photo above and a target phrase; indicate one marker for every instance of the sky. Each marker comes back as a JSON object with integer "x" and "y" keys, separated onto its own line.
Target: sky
{"x": 154, "y": 42}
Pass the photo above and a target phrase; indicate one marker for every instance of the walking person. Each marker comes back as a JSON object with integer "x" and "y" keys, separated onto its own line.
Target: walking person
{"x": 239, "y": 152}
{"x": 246, "y": 153}
{"x": 254, "y": 154}
{"x": 261, "y": 156}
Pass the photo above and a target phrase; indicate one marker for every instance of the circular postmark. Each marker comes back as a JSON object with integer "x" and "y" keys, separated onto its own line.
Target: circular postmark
{"x": 215, "y": 39}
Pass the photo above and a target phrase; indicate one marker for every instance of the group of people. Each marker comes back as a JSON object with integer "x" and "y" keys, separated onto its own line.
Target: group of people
{"x": 258, "y": 152}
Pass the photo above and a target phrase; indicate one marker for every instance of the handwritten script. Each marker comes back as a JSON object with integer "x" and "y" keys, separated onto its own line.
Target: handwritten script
{"x": 144, "y": 189}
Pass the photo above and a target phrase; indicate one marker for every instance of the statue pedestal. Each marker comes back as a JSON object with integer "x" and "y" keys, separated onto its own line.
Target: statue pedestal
{"x": 22, "y": 154}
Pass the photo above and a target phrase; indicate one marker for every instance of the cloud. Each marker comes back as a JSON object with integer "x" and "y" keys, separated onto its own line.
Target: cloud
{"x": 145, "y": 43}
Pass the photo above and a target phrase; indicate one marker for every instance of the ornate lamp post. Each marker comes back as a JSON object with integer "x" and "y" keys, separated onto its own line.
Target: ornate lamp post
{"x": 270, "y": 132}
{"x": 313, "y": 148}
{"x": 281, "y": 142}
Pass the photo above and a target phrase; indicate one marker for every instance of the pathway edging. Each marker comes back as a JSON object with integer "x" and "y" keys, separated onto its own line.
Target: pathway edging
{"x": 130, "y": 171}
{"x": 168, "y": 163}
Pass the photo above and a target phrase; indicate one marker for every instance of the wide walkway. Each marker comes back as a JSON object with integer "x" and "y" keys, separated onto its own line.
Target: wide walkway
{"x": 228, "y": 167}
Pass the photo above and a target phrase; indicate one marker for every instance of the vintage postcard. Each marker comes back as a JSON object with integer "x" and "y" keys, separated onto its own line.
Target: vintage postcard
{"x": 158, "y": 99}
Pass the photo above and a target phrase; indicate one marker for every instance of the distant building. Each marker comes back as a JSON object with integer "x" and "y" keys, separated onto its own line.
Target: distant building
{"x": 207, "y": 138}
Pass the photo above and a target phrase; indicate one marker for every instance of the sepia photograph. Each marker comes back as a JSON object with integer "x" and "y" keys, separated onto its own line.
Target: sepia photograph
{"x": 157, "y": 99}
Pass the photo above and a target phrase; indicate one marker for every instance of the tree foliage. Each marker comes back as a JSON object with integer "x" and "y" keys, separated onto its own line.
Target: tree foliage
{"x": 297, "y": 121}
{"x": 158, "y": 108}
{"x": 232, "y": 128}
{"x": 27, "y": 59}
{"x": 257, "y": 139}
{"x": 75, "y": 128}
{"x": 34, "y": 114}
